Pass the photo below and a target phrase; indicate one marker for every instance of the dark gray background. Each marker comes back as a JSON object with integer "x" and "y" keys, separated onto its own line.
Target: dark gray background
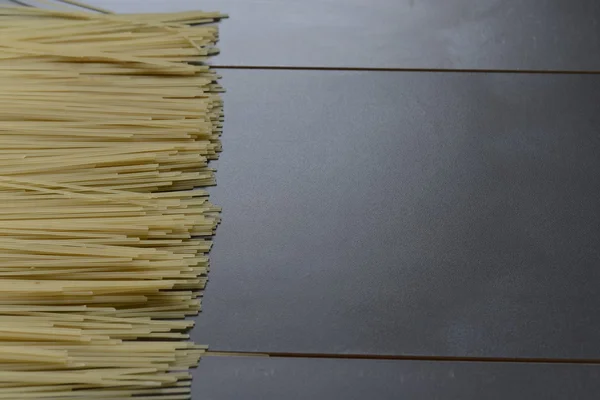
{"x": 234, "y": 378}
{"x": 446, "y": 214}
{"x": 465, "y": 34}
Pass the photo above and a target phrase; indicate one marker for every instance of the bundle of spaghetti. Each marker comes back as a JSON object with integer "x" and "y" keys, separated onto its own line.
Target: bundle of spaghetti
{"x": 107, "y": 127}
{"x": 103, "y": 117}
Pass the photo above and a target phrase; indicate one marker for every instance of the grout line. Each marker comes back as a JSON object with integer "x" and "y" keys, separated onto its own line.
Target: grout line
{"x": 233, "y": 354}
{"x": 518, "y": 360}
{"x": 366, "y": 69}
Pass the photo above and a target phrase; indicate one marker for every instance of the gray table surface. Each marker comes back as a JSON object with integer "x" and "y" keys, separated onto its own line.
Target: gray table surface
{"x": 465, "y": 34}
{"x": 447, "y": 214}
{"x": 231, "y": 378}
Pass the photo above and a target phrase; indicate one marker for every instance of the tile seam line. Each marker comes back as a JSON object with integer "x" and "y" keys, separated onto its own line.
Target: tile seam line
{"x": 439, "y": 70}
{"x": 514, "y": 360}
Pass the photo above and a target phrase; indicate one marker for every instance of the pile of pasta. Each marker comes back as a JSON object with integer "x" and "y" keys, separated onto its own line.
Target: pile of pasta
{"x": 107, "y": 126}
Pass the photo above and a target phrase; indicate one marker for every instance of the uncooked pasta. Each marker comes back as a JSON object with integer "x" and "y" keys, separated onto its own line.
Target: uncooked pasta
{"x": 107, "y": 126}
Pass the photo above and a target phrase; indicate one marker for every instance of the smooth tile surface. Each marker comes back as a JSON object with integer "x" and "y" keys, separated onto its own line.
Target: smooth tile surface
{"x": 464, "y": 34}
{"x": 233, "y": 378}
{"x": 407, "y": 213}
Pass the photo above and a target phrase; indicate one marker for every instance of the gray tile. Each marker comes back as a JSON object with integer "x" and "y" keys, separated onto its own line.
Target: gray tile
{"x": 481, "y": 34}
{"x": 233, "y": 378}
{"x": 463, "y": 34}
{"x": 407, "y": 213}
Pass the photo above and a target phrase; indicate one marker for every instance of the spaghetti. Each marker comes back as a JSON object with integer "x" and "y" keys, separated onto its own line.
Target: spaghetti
{"x": 107, "y": 126}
